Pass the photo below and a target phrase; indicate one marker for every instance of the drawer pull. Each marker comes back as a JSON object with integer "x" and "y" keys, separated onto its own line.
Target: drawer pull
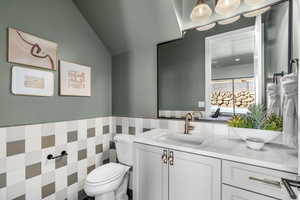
{"x": 266, "y": 181}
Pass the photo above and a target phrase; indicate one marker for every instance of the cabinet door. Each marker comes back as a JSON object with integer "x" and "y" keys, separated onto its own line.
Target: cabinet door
{"x": 150, "y": 173}
{"x": 194, "y": 177}
{"x": 231, "y": 193}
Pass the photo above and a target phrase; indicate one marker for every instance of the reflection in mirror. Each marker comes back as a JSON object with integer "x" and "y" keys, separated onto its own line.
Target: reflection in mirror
{"x": 228, "y": 67}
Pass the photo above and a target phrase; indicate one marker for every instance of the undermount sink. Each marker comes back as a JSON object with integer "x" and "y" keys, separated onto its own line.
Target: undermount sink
{"x": 183, "y": 138}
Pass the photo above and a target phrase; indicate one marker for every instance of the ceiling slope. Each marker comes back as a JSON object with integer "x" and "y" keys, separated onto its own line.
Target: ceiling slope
{"x": 125, "y": 24}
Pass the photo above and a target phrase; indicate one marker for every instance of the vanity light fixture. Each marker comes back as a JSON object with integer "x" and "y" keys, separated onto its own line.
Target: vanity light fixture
{"x": 201, "y": 12}
{"x": 253, "y": 2}
{"x": 257, "y": 12}
{"x": 225, "y": 7}
{"x": 229, "y": 20}
{"x": 206, "y": 27}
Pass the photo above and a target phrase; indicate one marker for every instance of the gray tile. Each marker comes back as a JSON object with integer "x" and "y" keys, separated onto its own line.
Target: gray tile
{"x": 99, "y": 148}
{"x": 106, "y": 161}
{"x": 22, "y": 197}
{"x": 82, "y": 154}
{"x": 61, "y": 162}
{"x": 2, "y": 180}
{"x": 47, "y": 190}
{"x": 16, "y": 147}
{"x": 112, "y": 145}
{"x": 146, "y": 129}
{"x": 33, "y": 170}
{"x": 91, "y": 168}
{"x": 72, "y": 136}
{"x": 106, "y": 129}
{"x": 48, "y": 141}
{"x": 119, "y": 129}
{"x": 72, "y": 178}
{"x": 91, "y": 132}
{"x": 131, "y": 130}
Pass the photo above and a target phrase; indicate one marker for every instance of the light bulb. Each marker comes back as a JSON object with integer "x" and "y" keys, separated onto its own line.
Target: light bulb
{"x": 225, "y": 7}
{"x": 257, "y": 12}
{"x": 201, "y": 13}
{"x": 253, "y": 2}
{"x": 229, "y": 21}
{"x": 206, "y": 27}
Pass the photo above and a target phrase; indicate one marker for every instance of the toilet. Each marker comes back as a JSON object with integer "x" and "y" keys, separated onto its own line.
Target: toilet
{"x": 110, "y": 181}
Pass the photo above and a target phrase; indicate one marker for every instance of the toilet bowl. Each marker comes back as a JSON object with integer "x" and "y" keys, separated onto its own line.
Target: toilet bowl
{"x": 110, "y": 181}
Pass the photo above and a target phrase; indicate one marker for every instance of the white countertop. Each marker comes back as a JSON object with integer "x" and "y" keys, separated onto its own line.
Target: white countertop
{"x": 274, "y": 156}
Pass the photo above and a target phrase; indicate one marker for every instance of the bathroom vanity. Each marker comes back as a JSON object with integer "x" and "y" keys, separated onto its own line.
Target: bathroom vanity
{"x": 168, "y": 166}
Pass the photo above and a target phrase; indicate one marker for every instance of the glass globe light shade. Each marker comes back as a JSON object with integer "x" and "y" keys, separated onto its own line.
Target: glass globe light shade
{"x": 201, "y": 13}
{"x": 225, "y": 7}
{"x": 206, "y": 27}
{"x": 253, "y": 2}
{"x": 257, "y": 12}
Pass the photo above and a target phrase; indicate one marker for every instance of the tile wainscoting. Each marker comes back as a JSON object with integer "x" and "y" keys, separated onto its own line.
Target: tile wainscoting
{"x": 25, "y": 172}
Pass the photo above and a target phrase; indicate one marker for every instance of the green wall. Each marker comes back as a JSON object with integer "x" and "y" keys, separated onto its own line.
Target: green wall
{"x": 60, "y": 21}
{"x": 134, "y": 83}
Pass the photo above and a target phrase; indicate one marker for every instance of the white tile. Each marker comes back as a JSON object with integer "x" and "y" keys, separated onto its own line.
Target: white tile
{"x": 15, "y": 133}
{"x": 3, "y": 193}
{"x": 72, "y": 152}
{"x": 48, "y": 178}
{"x": 99, "y": 125}
{"x": 73, "y": 192}
{"x": 48, "y": 165}
{"x": 91, "y": 144}
{"x": 3, "y": 164}
{"x": 33, "y": 157}
{"x": 2, "y": 142}
{"x": 15, "y": 177}
{"x": 138, "y": 126}
{"x": 48, "y": 129}
{"x": 15, "y": 162}
{"x": 60, "y": 133}
{"x": 33, "y": 131}
{"x": 82, "y": 169}
{"x": 72, "y": 125}
{"x": 50, "y": 197}
{"x": 61, "y": 178}
{"x": 33, "y": 144}
{"x": 33, "y": 186}
{"x": 125, "y": 125}
{"x": 16, "y": 190}
{"x": 82, "y": 129}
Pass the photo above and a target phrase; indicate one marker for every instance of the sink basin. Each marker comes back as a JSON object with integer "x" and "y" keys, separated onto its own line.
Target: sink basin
{"x": 182, "y": 138}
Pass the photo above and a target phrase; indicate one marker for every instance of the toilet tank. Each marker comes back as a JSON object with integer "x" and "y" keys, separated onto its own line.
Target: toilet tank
{"x": 124, "y": 147}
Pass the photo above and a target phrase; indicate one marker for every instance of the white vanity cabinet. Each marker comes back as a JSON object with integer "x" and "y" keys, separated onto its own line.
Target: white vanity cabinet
{"x": 232, "y": 193}
{"x": 163, "y": 174}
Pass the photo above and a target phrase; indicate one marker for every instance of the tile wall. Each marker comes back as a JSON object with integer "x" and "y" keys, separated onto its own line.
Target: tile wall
{"x": 25, "y": 172}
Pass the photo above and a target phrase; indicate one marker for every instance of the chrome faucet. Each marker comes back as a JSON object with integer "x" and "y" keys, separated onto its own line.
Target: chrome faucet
{"x": 187, "y": 126}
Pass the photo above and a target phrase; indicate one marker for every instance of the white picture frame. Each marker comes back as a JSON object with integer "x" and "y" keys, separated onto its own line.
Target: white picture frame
{"x": 32, "y": 82}
{"x": 75, "y": 79}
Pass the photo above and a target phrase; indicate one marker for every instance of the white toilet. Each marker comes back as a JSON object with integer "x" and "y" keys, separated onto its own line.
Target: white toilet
{"x": 110, "y": 181}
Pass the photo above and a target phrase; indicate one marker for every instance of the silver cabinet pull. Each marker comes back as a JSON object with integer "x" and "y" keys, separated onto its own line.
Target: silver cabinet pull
{"x": 164, "y": 157}
{"x": 266, "y": 181}
{"x": 171, "y": 158}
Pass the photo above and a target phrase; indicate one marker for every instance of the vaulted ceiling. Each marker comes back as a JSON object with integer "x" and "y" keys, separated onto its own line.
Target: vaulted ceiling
{"x": 125, "y": 24}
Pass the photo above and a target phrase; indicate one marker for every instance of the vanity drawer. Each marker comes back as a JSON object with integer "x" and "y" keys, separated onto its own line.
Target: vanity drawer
{"x": 232, "y": 193}
{"x": 257, "y": 179}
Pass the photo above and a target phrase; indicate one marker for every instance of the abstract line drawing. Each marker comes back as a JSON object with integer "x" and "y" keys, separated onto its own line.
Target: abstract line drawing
{"x": 30, "y": 50}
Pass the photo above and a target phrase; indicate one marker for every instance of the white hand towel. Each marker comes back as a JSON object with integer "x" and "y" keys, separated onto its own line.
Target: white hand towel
{"x": 289, "y": 88}
{"x": 273, "y": 99}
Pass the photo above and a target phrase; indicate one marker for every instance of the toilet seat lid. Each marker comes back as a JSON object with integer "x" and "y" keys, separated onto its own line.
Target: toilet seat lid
{"x": 106, "y": 173}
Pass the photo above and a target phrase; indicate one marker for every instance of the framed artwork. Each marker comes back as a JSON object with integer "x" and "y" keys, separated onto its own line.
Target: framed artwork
{"x": 32, "y": 82}
{"x": 75, "y": 79}
{"x": 27, "y": 49}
